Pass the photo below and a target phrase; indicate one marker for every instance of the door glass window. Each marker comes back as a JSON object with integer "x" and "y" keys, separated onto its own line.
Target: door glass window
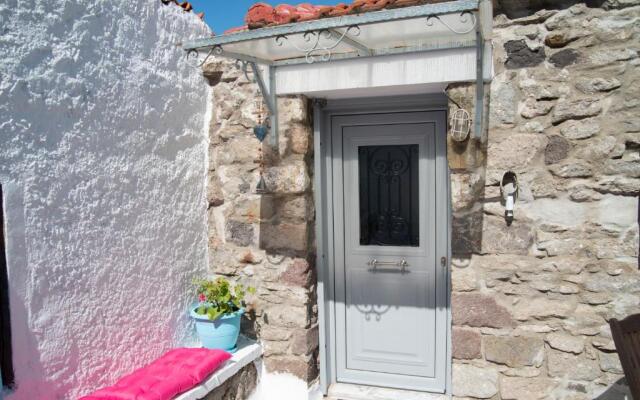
{"x": 389, "y": 209}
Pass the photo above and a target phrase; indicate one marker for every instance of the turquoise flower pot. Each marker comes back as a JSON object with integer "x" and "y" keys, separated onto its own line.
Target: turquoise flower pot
{"x": 219, "y": 334}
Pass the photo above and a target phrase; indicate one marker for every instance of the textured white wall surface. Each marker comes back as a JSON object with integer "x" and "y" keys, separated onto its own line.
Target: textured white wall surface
{"x": 103, "y": 160}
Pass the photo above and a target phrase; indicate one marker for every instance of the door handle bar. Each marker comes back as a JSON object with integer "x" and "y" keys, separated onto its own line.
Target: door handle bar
{"x": 403, "y": 264}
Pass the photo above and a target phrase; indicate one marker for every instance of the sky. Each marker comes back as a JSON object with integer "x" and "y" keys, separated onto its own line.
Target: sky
{"x": 221, "y": 15}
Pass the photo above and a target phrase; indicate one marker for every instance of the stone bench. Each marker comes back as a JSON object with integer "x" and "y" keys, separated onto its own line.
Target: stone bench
{"x": 236, "y": 379}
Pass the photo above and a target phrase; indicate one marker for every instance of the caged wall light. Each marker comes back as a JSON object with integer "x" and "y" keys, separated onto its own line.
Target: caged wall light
{"x": 460, "y": 125}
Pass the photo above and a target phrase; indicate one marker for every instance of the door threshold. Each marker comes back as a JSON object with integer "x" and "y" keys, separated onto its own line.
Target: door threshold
{"x": 348, "y": 391}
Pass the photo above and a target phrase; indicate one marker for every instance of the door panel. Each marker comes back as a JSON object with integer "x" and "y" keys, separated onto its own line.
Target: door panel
{"x": 380, "y": 337}
{"x": 390, "y": 300}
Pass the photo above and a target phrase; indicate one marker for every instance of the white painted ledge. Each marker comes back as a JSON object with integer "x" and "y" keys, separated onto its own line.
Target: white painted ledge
{"x": 248, "y": 351}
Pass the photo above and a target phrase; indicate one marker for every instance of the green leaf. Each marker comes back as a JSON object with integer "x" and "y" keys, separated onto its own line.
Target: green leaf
{"x": 214, "y": 313}
{"x": 222, "y": 296}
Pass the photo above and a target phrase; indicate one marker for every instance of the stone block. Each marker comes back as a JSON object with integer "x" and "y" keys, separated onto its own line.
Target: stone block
{"x": 252, "y": 208}
{"x": 301, "y": 366}
{"x": 471, "y": 381}
{"x": 581, "y": 193}
{"x": 288, "y": 316}
{"x": 301, "y": 138}
{"x": 464, "y": 279}
{"x": 227, "y": 132}
{"x": 572, "y": 169}
{"x": 622, "y": 167}
{"x": 575, "y": 109}
{"x": 500, "y": 238}
{"x": 565, "y": 57}
{"x": 240, "y": 233}
{"x": 519, "y": 55}
{"x": 286, "y": 237}
{"x": 503, "y": 101}
{"x": 275, "y": 333}
{"x": 566, "y": 343}
{"x": 526, "y": 388}
{"x": 466, "y": 233}
{"x": 594, "y": 85}
{"x": 304, "y": 341}
{"x": 581, "y": 129}
{"x": 619, "y": 185}
{"x": 631, "y": 125}
{"x": 239, "y": 150}
{"x": 466, "y": 343}
{"x": 600, "y": 147}
{"x": 291, "y": 178}
{"x": 479, "y": 310}
{"x": 610, "y": 362}
{"x": 297, "y": 273}
{"x": 215, "y": 196}
{"x": 557, "y": 39}
{"x": 222, "y": 261}
{"x": 532, "y": 108}
{"x": 514, "y": 352}
{"x": 556, "y": 150}
{"x": 570, "y": 366}
{"x": 514, "y": 152}
{"x": 540, "y": 308}
{"x": 296, "y": 208}
{"x": 214, "y": 69}
{"x": 274, "y": 348}
{"x": 609, "y": 56}
{"x": 466, "y": 190}
{"x": 541, "y": 90}
{"x": 292, "y": 109}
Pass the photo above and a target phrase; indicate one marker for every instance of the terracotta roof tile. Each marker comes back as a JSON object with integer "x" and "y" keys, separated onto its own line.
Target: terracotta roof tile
{"x": 185, "y": 6}
{"x": 261, "y": 15}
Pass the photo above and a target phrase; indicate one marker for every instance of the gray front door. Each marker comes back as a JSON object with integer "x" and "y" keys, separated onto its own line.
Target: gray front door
{"x": 390, "y": 227}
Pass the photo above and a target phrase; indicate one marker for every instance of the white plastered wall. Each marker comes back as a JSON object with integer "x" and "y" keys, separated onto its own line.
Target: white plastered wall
{"x": 103, "y": 153}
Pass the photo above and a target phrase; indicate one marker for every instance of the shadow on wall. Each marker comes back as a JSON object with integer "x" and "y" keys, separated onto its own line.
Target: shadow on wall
{"x": 523, "y": 8}
{"x": 467, "y": 164}
{"x": 32, "y": 381}
{"x": 29, "y": 371}
{"x": 618, "y": 391}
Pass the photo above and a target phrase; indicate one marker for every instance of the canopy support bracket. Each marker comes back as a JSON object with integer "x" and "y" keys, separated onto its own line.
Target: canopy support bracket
{"x": 351, "y": 42}
{"x": 269, "y": 97}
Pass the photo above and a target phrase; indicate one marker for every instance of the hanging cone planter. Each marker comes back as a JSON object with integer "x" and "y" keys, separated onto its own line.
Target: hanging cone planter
{"x": 261, "y": 187}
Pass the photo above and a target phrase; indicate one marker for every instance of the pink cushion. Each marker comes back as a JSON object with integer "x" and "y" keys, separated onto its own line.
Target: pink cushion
{"x": 175, "y": 372}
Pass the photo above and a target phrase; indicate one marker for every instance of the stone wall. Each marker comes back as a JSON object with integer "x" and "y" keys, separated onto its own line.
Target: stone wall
{"x": 238, "y": 387}
{"x": 531, "y": 300}
{"x": 265, "y": 240}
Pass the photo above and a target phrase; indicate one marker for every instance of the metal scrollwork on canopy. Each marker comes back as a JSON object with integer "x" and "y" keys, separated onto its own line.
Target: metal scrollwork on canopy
{"x": 193, "y": 56}
{"x": 314, "y": 39}
{"x": 244, "y": 67}
{"x": 464, "y": 18}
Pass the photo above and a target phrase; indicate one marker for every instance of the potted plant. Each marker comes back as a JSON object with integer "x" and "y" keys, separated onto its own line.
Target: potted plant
{"x": 217, "y": 315}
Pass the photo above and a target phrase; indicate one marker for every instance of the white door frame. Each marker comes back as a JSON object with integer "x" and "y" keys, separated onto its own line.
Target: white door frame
{"x": 323, "y": 193}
